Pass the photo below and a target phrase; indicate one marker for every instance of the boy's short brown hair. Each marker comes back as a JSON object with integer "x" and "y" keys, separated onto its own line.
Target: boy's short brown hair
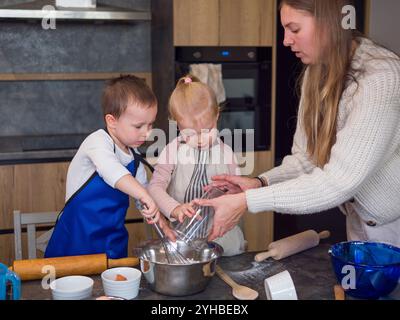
{"x": 119, "y": 92}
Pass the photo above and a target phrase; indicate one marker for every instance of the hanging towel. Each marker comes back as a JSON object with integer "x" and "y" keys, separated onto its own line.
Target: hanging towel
{"x": 210, "y": 74}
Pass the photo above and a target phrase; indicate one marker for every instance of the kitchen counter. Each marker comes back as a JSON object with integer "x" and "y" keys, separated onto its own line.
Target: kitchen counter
{"x": 44, "y": 156}
{"x": 45, "y": 148}
{"x": 311, "y": 271}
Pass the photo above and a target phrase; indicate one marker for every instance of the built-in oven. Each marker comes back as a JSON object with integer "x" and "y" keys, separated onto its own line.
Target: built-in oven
{"x": 246, "y": 76}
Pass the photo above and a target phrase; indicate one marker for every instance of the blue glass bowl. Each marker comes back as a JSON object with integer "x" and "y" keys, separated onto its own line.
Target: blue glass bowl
{"x": 366, "y": 270}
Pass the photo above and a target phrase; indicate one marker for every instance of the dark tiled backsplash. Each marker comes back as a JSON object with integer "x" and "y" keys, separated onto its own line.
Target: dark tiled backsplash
{"x": 45, "y": 108}
{"x": 57, "y": 114}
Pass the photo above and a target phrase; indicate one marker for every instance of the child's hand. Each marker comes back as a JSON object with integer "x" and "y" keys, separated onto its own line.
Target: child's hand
{"x": 169, "y": 233}
{"x": 183, "y": 210}
{"x": 150, "y": 210}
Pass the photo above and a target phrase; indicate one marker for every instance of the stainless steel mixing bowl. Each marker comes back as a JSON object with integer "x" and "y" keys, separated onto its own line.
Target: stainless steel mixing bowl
{"x": 178, "y": 279}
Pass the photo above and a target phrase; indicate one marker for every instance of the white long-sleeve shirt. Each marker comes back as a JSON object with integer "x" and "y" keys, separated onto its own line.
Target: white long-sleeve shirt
{"x": 96, "y": 153}
{"x": 365, "y": 160}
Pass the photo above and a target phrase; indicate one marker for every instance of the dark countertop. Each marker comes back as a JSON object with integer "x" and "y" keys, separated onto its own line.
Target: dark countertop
{"x": 311, "y": 271}
{"x": 45, "y": 156}
{"x": 44, "y": 148}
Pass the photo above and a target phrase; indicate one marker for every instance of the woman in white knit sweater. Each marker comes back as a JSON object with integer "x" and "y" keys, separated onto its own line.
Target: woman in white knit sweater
{"x": 346, "y": 149}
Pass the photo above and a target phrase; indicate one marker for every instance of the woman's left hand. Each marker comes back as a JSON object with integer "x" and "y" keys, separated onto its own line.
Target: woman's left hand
{"x": 233, "y": 184}
{"x": 228, "y": 210}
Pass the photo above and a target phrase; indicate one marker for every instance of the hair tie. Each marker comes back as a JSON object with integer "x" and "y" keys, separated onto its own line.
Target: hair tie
{"x": 188, "y": 80}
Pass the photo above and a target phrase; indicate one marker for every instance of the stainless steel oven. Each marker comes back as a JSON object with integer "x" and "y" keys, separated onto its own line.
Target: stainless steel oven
{"x": 246, "y": 74}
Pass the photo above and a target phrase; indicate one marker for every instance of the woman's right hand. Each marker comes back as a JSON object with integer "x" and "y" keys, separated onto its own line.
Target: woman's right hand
{"x": 234, "y": 184}
{"x": 228, "y": 210}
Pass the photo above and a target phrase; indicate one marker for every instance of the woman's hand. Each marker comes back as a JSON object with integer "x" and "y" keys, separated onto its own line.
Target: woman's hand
{"x": 228, "y": 211}
{"x": 182, "y": 211}
{"x": 234, "y": 184}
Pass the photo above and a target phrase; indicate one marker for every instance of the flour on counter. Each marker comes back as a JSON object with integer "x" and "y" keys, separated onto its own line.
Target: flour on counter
{"x": 258, "y": 270}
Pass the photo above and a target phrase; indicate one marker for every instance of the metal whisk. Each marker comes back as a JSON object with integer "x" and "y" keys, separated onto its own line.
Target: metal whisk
{"x": 172, "y": 253}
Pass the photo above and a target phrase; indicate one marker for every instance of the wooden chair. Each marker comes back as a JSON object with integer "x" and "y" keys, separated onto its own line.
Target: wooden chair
{"x": 30, "y": 220}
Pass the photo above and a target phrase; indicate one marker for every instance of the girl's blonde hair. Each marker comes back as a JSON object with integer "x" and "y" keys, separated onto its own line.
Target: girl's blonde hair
{"x": 326, "y": 79}
{"x": 193, "y": 100}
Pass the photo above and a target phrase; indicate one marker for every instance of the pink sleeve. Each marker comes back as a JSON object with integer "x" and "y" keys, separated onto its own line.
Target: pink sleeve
{"x": 160, "y": 181}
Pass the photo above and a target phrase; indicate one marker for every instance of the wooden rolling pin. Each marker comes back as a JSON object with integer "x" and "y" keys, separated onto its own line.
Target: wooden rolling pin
{"x": 339, "y": 292}
{"x": 73, "y": 265}
{"x": 291, "y": 245}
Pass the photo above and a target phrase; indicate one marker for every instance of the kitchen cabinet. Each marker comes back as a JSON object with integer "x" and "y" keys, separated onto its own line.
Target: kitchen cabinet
{"x": 246, "y": 22}
{"x": 196, "y": 23}
{"x": 258, "y": 228}
{"x": 29, "y": 188}
{"x": 224, "y": 22}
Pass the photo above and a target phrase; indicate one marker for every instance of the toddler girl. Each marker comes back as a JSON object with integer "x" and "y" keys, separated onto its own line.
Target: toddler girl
{"x": 187, "y": 164}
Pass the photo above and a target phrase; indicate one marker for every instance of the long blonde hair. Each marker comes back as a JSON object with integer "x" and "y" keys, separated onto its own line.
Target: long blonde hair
{"x": 326, "y": 79}
{"x": 193, "y": 100}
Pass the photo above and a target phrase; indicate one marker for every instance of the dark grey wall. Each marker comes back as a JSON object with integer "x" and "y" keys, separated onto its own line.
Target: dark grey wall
{"x": 384, "y": 23}
{"x": 61, "y": 107}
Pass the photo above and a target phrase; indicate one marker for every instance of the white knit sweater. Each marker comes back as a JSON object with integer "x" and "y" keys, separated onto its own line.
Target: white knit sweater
{"x": 365, "y": 160}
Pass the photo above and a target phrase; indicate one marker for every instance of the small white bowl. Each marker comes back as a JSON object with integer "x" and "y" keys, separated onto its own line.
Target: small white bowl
{"x": 72, "y": 288}
{"x": 127, "y": 289}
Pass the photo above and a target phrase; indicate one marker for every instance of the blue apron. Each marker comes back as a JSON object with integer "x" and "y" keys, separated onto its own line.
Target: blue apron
{"x": 93, "y": 220}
